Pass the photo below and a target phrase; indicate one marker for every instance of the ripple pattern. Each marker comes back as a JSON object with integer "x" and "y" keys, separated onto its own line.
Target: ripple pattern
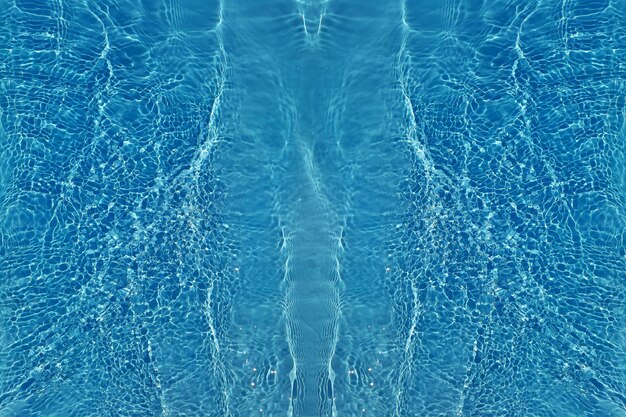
{"x": 312, "y": 208}
{"x": 511, "y": 255}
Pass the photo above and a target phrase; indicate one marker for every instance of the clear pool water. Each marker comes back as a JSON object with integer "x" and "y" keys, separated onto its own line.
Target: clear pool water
{"x": 313, "y": 208}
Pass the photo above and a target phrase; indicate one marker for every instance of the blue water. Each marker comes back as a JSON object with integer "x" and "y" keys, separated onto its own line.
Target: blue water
{"x": 313, "y": 208}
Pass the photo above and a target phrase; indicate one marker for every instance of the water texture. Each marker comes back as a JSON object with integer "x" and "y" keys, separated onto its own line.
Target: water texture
{"x": 313, "y": 208}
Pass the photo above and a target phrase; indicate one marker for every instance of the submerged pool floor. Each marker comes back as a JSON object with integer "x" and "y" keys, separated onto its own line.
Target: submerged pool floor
{"x": 313, "y": 208}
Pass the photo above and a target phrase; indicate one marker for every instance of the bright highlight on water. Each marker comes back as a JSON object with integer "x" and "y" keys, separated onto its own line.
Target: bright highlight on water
{"x": 313, "y": 208}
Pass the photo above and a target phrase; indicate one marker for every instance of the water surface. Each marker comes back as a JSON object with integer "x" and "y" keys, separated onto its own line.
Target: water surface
{"x": 312, "y": 208}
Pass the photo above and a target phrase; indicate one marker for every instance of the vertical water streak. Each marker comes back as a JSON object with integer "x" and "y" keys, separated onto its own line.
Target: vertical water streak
{"x": 312, "y": 13}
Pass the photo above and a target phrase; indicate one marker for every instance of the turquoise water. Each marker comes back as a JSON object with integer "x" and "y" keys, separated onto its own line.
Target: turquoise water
{"x": 312, "y": 208}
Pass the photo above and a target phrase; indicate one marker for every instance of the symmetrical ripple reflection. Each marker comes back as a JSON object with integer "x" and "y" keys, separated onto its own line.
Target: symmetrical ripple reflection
{"x": 313, "y": 208}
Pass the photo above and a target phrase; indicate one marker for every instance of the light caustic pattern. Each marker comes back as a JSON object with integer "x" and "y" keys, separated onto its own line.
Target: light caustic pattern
{"x": 312, "y": 208}
{"x": 511, "y": 255}
{"x": 114, "y": 256}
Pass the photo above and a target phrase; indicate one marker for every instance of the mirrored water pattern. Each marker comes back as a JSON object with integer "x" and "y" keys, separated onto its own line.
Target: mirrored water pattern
{"x": 313, "y": 208}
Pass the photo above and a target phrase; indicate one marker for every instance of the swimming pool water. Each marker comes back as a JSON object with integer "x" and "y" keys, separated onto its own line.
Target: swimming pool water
{"x": 312, "y": 208}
